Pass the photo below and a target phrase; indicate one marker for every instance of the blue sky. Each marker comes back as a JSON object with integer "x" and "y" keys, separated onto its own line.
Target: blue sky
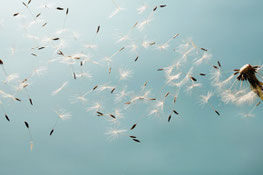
{"x": 195, "y": 142}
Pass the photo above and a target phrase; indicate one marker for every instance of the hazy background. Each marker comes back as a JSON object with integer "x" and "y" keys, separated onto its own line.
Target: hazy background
{"x": 198, "y": 142}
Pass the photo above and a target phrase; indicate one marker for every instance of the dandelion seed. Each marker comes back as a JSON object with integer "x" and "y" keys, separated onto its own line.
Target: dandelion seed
{"x": 17, "y": 99}
{"x": 166, "y": 94}
{"x": 125, "y": 74}
{"x": 25, "y": 4}
{"x": 169, "y": 118}
{"x": 219, "y": 64}
{"x": 192, "y": 78}
{"x": 60, "y": 53}
{"x": 95, "y": 107}
{"x": 44, "y": 24}
{"x": 112, "y": 116}
{"x": 7, "y": 118}
{"x": 203, "y": 49}
{"x": 136, "y": 140}
{"x": 115, "y": 133}
{"x": 31, "y": 139}
{"x": 95, "y": 87}
{"x": 175, "y": 112}
{"x": 100, "y": 113}
{"x": 136, "y": 58}
{"x": 215, "y": 67}
{"x": 141, "y": 9}
{"x": 98, "y": 29}
{"x": 51, "y": 132}
{"x": 60, "y": 8}
{"x": 38, "y": 15}
{"x": 133, "y": 126}
{"x": 55, "y": 92}
{"x": 133, "y": 137}
{"x": 205, "y": 98}
{"x": 15, "y": 14}
{"x": 154, "y": 8}
{"x": 175, "y": 99}
{"x": 248, "y": 115}
{"x": 112, "y": 90}
{"x": 31, "y": 102}
{"x": 162, "y": 5}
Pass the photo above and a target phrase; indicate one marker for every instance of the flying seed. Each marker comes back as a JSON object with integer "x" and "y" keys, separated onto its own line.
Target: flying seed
{"x": 24, "y": 4}
{"x": 112, "y": 116}
{"x": 175, "y": 112}
{"x": 98, "y": 29}
{"x": 15, "y": 14}
{"x": 133, "y": 126}
{"x": 60, "y": 53}
{"x": 51, "y": 132}
{"x": 136, "y": 140}
{"x": 219, "y": 64}
{"x": 38, "y": 15}
{"x": 100, "y": 113}
{"x": 74, "y": 76}
{"x": 215, "y": 67}
{"x": 169, "y": 118}
{"x": 194, "y": 79}
{"x": 44, "y": 24}
{"x": 121, "y": 49}
{"x": 30, "y": 100}
{"x": 17, "y": 99}
{"x": 112, "y": 90}
{"x": 7, "y": 118}
{"x": 26, "y": 124}
{"x": 95, "y": 87}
